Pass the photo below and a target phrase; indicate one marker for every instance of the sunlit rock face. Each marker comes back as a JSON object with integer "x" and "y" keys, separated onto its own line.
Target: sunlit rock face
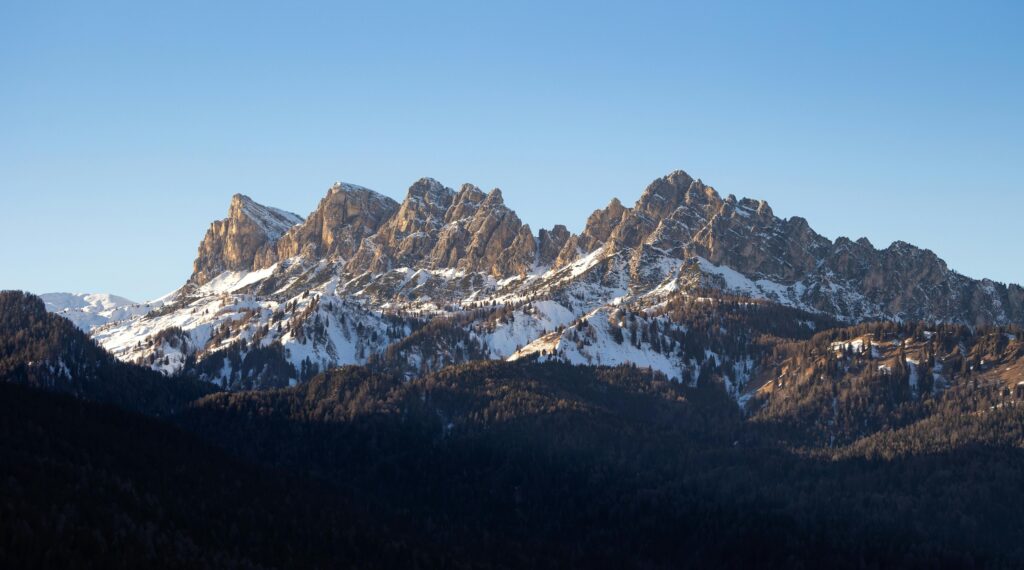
{"x": 235, "y": 243}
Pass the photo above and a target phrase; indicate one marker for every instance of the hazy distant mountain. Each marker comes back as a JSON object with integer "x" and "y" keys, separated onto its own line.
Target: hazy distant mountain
{"x": 40, "y": 349}
{"x": 90, "y": 310}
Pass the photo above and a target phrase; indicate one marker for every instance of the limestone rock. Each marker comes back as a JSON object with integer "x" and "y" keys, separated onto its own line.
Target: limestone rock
{"x": 337, "y": 227}
{"x": 234, "y": 243}
{"x": 550, "y": 243}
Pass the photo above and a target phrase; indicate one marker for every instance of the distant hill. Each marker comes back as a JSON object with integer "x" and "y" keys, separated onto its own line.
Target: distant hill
{"x": 90, "y": 310}
{"x": 41, "y": 349}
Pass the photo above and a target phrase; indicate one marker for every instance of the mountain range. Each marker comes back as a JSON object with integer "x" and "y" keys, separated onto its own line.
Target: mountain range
{"x": 364, "y": 278}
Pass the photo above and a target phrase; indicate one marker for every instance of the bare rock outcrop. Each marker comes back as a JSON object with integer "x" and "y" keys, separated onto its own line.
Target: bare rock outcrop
{"x": 337, "y": 227}
{"x": 234, "y": 243}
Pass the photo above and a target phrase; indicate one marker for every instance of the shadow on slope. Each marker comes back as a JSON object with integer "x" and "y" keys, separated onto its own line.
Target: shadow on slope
{"x": 89, "y": 485}
{"x": 548, "y": 465}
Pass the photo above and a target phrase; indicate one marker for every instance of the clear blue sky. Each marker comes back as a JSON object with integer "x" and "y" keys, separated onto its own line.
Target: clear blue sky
{"x": 126, "y": 127}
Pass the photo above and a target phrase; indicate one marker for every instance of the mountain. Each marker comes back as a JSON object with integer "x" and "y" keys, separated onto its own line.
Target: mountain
{"x": 447, "y": 276}
{"x": 90, "y": 310}
{"x": 41, "y": 349}
{"x": 232, "y": 244}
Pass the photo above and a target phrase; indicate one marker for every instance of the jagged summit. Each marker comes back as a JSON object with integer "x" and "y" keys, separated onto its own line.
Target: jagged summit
{"x": 347, "y": 187}
{"x": 273, "y": 220}
{"x": 429, "y": 189}
{"x": 335, "y": 228}
{"x": 232, "y": 244}
{"x": 438, "y": 228}
{"x": 494, "y": 198}
{"x": 665, "y": 194}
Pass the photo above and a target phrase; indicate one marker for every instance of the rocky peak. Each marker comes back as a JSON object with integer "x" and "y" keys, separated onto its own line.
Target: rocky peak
{"x": 430, "y": 192}
{"x": 494, "y": 199}
{"x": 493, "y": 229}
{"x": 519, "y": 256}
{"x": 799, "y": 224}
{"x": 599, "y": 222}
{"x": 685, "y": 203}
{"x": 438, "y": 228}
{"x": 900, "y": 247}
{"x": 466, "y": 203}
{"x": 346, "y": 215}
{"x": 598, "y": 229}
{"x": 423, "y": 209}
{"x": 471, "y": 192}
{"x": 550, "y": 244}
{"x": 748, "y": 205}
{"x": 273, "y": 221}
{"x": 664, "y": 195}
{"x": 901, "y": 280}
{"x": 408, "y": 237}
{"x": 233, "y": 244}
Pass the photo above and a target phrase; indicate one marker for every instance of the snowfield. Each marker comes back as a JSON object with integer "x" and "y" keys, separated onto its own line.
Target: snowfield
{"x": 90, "y": 310}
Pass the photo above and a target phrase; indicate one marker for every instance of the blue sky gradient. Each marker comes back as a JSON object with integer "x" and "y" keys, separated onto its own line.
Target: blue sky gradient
{"x": 126, "y": 127}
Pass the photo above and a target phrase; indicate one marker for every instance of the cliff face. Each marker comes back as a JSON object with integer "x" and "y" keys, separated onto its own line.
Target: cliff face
{"x": 551, "y": 243}
{"x": 234, "y": 243}
{"x": 410, "y": 235}
{"x": 599, "y": 228}
{"x": 344, "y": 217}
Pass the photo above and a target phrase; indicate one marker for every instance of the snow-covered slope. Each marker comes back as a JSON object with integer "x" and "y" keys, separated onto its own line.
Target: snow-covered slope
{"x": 273, "y": 221}
{"x": 604, "y": 338}
{"x": 90, "y": 310}
{"x": 314, "y": 327}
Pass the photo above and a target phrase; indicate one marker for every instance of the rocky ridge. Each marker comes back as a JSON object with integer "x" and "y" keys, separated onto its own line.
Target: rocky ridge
{"x": 363, "y": 272}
